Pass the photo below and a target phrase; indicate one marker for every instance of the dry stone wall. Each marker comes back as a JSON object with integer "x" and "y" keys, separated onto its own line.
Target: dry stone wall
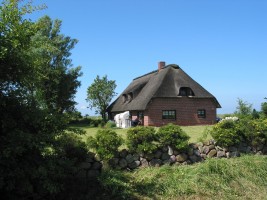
{"x": 196, "y": 153}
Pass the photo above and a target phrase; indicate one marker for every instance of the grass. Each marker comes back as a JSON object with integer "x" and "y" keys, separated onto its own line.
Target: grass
{"x": 239, "y": 178}
{"x": 195, "y": 132}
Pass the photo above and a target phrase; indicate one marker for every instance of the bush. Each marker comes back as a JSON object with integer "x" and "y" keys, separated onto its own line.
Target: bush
{"x": 173, "y": 136}
{"x": 255, "y": 131}
{"x": 141, "y": 139}
{"x": 225, "y": 133}
{"x": 105, "y": 143}
{"x": 110, "y": 124}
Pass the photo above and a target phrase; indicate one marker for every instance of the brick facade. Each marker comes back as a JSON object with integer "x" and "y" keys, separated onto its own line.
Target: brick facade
{"x": 186, "y": 111}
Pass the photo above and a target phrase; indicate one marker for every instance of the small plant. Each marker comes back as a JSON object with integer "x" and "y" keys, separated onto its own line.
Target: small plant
{"x": 173, "y": 136}
{"x": 105, "y": 143}
{"x": 110, "y": 124}
{"x": 141, "y": 139}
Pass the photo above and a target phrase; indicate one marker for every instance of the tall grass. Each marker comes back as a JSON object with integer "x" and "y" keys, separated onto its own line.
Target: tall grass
{"x": 240, "y": 178}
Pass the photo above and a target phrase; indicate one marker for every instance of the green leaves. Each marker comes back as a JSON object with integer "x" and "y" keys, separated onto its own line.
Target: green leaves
{"x": 100, "y": 94}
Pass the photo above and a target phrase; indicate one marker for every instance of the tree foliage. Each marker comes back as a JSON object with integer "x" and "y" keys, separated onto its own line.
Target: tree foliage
{"x": 244, "y": 109}
{"x": 37, "y": 86}
{"x": 100, "y": 94}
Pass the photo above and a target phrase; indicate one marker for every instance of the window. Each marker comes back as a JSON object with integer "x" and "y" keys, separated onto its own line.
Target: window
{"x": 169, "y": 114}
{"x": 186, "y": 91}
{"x": 201, "y": 113}
{"x": 124, "y": 98}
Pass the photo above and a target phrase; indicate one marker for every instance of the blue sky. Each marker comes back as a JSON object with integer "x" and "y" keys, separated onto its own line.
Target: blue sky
{"x": 221, "y": 44}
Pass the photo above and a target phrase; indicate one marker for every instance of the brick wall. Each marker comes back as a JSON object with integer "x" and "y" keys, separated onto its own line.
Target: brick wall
{"x": 186, "y": 111}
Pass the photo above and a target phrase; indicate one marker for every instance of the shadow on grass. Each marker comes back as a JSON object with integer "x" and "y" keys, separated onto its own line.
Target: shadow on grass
{"x": 119, "y": 185}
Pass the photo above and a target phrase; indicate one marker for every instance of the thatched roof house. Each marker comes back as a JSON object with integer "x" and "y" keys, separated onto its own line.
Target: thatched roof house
{"x": 167, "y": 95}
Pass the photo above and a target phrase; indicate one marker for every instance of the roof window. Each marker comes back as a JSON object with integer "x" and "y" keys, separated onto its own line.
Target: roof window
{"x": 186, "y": 91}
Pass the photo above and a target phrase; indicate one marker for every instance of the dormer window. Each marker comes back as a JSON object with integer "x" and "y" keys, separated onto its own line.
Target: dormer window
{"x": 130, "y": 97}
{"x": 186, "y": 91}
{"x": 124, "y": 98}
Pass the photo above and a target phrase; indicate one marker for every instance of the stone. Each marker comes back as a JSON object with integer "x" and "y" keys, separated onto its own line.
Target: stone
{"x": 190, "y": 151}
{"x": 136, "y": 157}
{"x": 92, "y": 173}
{"x": 220, "y": 154}
{"x": 227, "y": 154}
{"x": 232, "y": 148}
{"x": 193, "y": 158}
{"x": 204, "y": 156}
{"x": 199, "y": 144}
{"x": 259, "y": 153}
{"x": 134, "y": 164}
{"x": 122, "y": 163}
{"x": 242, "y": 149}
{"x": 165, "y": 156}
{"x": 85, "y": 165}
{"x": 123, "y": 153}
{"x": 200, "y": 148}
{"x": 91, "y": 155}
{"x": 196, "y": 152}
{"x": 181, "y": 157}
{"x": 234, "y": 154}
{"x": 113, "y": 162}
{"x": 129, "y": 158}
{"x": 149, "y": 156}
{"x": 259, "y": 147}
{"x": 212, "y": 153}
{"x": 175, "y": 152}
{"x": 206, "y": 143}
{"x": 96, "y": 165}
{"x": 155, "y": 163}
{"x": 158, "y": 154}
{"x": 211, "y": 147}
{"x": 166, "y": 162}
{"x": 218, "y": 148}
{"x": 144, "y": 162}
{"x": 173, "y": 159}
{"x": 165, "y": 149}
{"x": 90, "y": 160}
{"x": 206, "y": 149}
{"x": 170, "y": 151}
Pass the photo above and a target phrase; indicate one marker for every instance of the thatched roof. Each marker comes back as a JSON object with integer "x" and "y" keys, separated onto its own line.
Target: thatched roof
{"x": 164, "y": 83}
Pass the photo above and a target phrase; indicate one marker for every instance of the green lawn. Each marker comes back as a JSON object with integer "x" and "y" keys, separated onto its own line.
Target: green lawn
{"x": 195, "y": 132}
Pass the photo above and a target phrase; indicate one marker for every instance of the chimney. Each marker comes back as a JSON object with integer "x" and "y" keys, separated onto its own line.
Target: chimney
{"x": 161, "y": 65}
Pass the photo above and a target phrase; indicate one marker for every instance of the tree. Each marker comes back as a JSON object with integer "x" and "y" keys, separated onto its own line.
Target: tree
{"x": 264, "y": 108}
{"x": 32, "y": 166}
{"x": 244, "y": 108}
{"x": 100, "y": 94}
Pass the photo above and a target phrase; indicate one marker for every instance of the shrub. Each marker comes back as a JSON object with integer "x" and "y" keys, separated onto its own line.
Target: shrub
{"x": 105, "y": 143}
{"x": 110, "y": 124}
{"x": 225, "y": 133}
{"x": 173, "y": 136}
{"x": 255, "y": 131}
{"x": 141, "y": 139}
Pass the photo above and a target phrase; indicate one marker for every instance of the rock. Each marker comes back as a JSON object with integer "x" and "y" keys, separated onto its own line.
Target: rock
{"x": 149, "y": 156}
{"x": 91, "y": 155}
{"x": 144, "y": 162}
{"x": 220, "y": 154}
{"x": 136, "y": 157}
{"x": 259, "y": 153}
{"x": 232, "y": 148}
{"x": 190, "y": 151}
{"x": 264, "y": 150}
{"x": 175, "y": 152}
{"x": 196, "y": 152}
{"x": 90, "y": 160}
{"x": 158, "y": 154}
{"x": 173, "y": 159}
{"x": 170, "y": 151}
{"x": 199, "y": 144}
{"x": 181, "y": 157}
{"x": 165, "y": 149}
{"x": 206, "y": 149}
{"x": 204, "y": 156}
{"x": 129, "y": 158}
{"x": 123, "y": 153}
{"x": 85, "y": 165}
{"x": 206, "y": 143}
{"x": 227, "y": 154}
{"x": 200, "y": 148}
{"x": 259, "y": 147}
{"x": 96, "y": 165}
{"x": 234, "y": 154}
{"x": 155, "y": 163}
{"x": 242, "y": 149}
{"x": 165, "y": 156}
{"x": 193, "y": 158}
{"x": 113, "y": 162}
{"x": 134, "y": 164}
{"x": 211, "y": 147}
{"x": 122, "y": 163}
{"x": 92, "y": 173}
{"x": 218, "y": 148}
{"x": 212, "y": 153}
